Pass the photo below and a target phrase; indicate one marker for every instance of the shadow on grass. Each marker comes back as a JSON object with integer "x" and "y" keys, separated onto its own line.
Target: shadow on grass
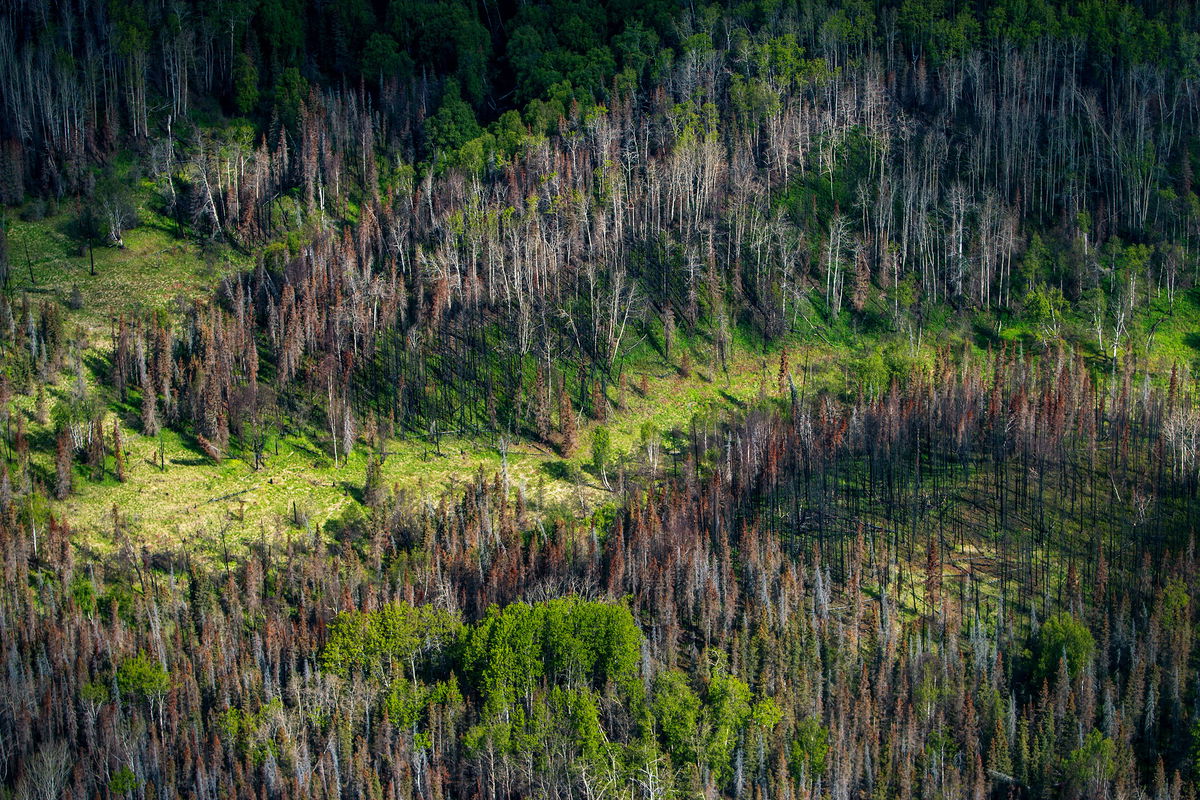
{"x": 985, "y": 335}
{"x": 354, "y": 490}
{"x": 189, "y": 462}
{"x": 1192, "y": 340}
{"x": 731, "y": 400}
{"x": 99, "y": 366}
{"x": 562, "y": 471}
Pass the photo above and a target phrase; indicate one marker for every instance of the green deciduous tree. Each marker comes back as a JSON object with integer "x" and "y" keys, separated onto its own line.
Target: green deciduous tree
{"x": 142, "y": 676}
{"x": 291, "y": 89}
{"x": 676, "y": 709}
{"x": 452, "y": 126}
{"x": 245, "y": 84}
{"x": 1061, "y": 636}
{"x": 380, "y": 644}
{"x": 809, "y": 748}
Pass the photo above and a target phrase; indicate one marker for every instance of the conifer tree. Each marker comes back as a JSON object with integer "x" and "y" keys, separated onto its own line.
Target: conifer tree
{"x": 149, "y": 411}
{"x": 118, "y": 451}
{"x": 64, "y": 478}
{"x": 541, "y": 405}
{"x": 566, "y": 421}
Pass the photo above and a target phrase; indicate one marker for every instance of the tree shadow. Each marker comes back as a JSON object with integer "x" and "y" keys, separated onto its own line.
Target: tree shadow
{"x": 354, "y": 490}
{"x": 99, "y": 366}
{"x": 562, "y": 471}
{"x": 985, "y": 335}
{"x": 731, "y": 400}
{"x": 189, "y": 462}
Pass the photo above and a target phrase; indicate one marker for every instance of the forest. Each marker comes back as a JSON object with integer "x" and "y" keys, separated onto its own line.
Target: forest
{"x": 549, "y": 399}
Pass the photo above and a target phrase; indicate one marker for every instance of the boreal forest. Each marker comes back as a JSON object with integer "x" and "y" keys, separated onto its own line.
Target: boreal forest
{"x": 497, "y": 399}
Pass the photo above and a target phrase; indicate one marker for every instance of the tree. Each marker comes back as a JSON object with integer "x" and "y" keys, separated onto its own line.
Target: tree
{"x": 144, "y": 677}
{"x": 374, "y": 490}
{"x": 1061, "y": 637}
{"x": 566, "y": 421}
{"x": 452, "y": 126}
{"x": 728, "y": 709}
{"x": 676, "y": 709}
{"x": 379, "y": 644}
{"x": 601, "y": 451}
{"x": 47, "y": 773}
{"x": 245, "y": 84}
{"x": 1088, "y": 769}
{"x": 291, "y": 89}
{"x": 382, "y": 59}
{"x": 809, "y": 748}
{"x": 116, "y": 210}
{"x": 64, "y": 474}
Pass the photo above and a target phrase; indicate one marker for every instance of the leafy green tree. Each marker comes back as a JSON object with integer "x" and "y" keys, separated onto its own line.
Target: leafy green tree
{"x": 727, "y": 706}
{"x": 245, "y": 84}
{"x": 502, "y": 655}
{"x": 352, "y": 22}
{"x": 566, "y": 641}
{"x": 510, "y": 134}
{"x": 1045, "y": 305}
{"x": 281, "y": 26}
{"x": 142, "y": 676}
{"x": 1036, "y": 264}
{"x": 452, "y": 126}
{"x": 932, "y": 26}
{"x": 290, "y": 92}
{"x": 809, "y": 748}
{"x": 382, "y": 58}
{"x": 636, "y": 47}
{"x": 379, "y": 644}
{"x": 676, "y": 709}
{"x": 1088, "y": 768}
{"x": 447, "y": 37}
{"x": 577, "y": 712}
{"x": 1173, "y": 604}
{"x": 1061, "y": 636}
{"x": 248, "y": 731}
{"x": 123, "y": 781}
{"x": 1021, "y": 22}
{"x": 601, "y": 450}
{"x": 852, "y": 24}
{"x": 477, "y": 155}
{"x": 410, "y": 704}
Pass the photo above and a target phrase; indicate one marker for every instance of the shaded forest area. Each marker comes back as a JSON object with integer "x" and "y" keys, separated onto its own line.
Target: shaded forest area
{"x": 966, "y": 572}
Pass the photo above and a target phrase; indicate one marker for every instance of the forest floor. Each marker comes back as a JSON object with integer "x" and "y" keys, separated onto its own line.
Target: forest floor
{"x": 299, "y": 483}
{"x": 154, "y": 269}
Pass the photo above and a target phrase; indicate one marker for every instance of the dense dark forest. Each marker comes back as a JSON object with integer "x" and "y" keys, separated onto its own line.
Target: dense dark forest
{"x": 961, "y": 576}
